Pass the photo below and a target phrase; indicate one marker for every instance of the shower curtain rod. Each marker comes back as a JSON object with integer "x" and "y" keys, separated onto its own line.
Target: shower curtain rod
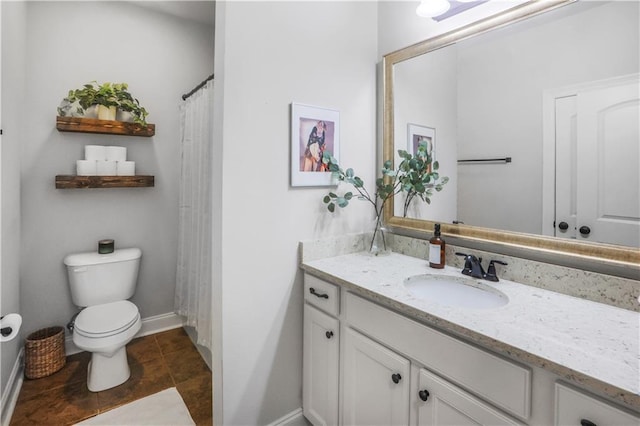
{"x": 195, "y": 89}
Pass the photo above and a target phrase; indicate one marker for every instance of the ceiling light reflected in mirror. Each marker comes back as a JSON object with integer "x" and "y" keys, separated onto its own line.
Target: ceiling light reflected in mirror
{"x": 439, "y": 10}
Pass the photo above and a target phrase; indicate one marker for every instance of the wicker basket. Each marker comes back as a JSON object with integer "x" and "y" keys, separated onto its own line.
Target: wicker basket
{"x": 44, "y": 352}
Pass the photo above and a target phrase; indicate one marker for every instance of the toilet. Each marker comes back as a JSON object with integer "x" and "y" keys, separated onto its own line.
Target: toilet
{"x": 101, "y": 285}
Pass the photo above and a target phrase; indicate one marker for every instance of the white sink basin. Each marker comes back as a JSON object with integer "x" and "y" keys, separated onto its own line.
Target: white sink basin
{"x": 461, "y": 292}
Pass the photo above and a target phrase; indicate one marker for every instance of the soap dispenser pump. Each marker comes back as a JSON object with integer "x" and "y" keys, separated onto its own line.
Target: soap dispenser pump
{"x": 436, "y": 249}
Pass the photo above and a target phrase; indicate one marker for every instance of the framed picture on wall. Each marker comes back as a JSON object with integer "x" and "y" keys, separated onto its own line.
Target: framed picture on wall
{"x": 314, "y": 131}
{"x": 417, "y": 134}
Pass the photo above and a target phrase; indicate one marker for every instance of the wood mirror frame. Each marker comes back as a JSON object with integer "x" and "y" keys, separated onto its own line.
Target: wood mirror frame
{"x": 606, "y": 258}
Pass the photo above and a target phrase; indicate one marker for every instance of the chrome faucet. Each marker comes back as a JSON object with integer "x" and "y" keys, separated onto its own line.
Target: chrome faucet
{"x": 473, "y": 267}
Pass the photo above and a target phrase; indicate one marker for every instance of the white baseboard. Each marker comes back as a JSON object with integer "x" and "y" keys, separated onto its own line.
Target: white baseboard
{"x": 294, "y": 418}
{"x": 150, "y": 325}
{"x": 12, "y": 389}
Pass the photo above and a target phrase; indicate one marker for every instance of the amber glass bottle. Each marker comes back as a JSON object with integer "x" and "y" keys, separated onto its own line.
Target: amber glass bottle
{"x": 436, "y": 249}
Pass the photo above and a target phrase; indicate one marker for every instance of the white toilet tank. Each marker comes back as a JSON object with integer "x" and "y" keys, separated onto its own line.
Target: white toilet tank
{"x": 96, "y": 278}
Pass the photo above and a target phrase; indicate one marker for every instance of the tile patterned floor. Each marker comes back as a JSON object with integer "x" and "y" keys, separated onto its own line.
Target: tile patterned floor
{"x": 157, "y": 362}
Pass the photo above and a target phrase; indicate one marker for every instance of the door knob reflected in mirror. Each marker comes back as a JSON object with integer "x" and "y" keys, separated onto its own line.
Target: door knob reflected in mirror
{"x": 396, "y": 378}
{"x": 563, "y": 226}
{"x": 585, "y": 230}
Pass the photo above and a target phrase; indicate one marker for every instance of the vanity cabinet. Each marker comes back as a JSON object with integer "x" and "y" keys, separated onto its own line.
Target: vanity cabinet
{"x": 500, "y": 382}
{"x": 574, "y": 407}
{"x": 381, "y": 387}
{"x": 368, "y": 364}
{"x": 321, "y": 352}
{"x": 364, "y": 364}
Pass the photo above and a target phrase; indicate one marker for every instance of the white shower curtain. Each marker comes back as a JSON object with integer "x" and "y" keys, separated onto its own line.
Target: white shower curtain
{"x": 193, "y": 286}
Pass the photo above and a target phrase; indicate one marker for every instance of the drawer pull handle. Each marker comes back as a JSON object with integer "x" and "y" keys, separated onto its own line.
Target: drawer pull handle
{"x": 585, "y": 422}
{"x": 329, "y": 334}
{"x": 396, "y": 378}
{"x": 320, "y": 295}
{"x": 424, "y": 395}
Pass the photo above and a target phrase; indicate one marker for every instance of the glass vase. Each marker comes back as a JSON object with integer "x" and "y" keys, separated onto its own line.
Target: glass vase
{"x": 377, "y": 244}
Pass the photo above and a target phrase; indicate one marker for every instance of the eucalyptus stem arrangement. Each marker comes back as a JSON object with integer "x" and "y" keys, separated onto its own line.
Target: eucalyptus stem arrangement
{"x": 417, "y": 175}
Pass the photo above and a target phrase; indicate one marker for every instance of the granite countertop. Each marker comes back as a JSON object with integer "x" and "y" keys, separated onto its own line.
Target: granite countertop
{"x": 584, "y": 342}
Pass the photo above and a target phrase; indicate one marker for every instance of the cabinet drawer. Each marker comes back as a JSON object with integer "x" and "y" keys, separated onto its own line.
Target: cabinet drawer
{"x": 495, "y": 379}
{"x": 322, "y": 294}
{"x": 574, "y": 407}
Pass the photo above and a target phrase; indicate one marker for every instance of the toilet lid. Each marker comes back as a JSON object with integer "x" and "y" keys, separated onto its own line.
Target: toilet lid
{"x": 106, "y": 319}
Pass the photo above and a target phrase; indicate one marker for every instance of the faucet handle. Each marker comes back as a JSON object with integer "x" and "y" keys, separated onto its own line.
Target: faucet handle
{"x": 491, "y": 274}
{"x": 467, "y": 263}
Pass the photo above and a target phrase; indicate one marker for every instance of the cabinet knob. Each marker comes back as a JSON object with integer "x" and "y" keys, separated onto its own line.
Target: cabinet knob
{"x": 585, "y": 422}
{"x": 320, "y": 295}
{"x": 424, "y": 394}
{"x": 563, "y": 226}
{"x": 396, "y": 378}
{"x": 329, "y": 334}
{"x": 585, "y": 230}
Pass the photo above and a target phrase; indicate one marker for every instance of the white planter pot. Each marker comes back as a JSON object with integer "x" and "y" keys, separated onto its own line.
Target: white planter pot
{"x": 68, "y": 109}
{"x": 125, "y": 116}
{"x": 91, "y": 112}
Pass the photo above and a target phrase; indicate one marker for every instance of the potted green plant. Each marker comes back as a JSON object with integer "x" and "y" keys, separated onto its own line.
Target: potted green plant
{"x": 77, "y": 101}
{"x": 108, "y": 97}
{"x": 417, "y": 176}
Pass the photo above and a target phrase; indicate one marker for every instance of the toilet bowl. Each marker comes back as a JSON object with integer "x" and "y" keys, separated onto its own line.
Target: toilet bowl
{"x": 101, "y": 284}
{"x": 104, "y": 330}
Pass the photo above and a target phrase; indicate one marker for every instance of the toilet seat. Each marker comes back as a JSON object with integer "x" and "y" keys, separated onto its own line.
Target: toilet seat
{"x": 107, "y": 319}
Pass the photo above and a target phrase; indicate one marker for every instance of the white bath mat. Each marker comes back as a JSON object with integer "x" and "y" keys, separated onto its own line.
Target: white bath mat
{"x": 162, "y": 408}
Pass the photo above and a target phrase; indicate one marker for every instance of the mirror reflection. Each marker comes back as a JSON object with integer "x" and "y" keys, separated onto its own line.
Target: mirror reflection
{"x": 536, "y": 124}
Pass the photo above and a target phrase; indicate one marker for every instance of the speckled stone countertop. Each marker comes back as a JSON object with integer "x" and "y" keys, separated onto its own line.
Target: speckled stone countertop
{"x": 584, "y": 342}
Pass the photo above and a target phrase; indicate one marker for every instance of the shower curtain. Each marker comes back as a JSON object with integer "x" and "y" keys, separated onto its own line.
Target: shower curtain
{"x": 193, "y": 285}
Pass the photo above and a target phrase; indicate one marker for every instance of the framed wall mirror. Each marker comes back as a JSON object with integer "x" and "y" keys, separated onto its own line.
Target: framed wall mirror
{"x": 533, "y": 115}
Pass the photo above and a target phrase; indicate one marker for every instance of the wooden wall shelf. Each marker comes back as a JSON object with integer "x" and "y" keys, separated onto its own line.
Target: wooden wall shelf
{"x": 81, "y": 182}
{"x": 105, "y": 127}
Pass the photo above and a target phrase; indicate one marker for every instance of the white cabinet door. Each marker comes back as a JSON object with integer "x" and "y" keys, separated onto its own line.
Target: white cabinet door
{"x": 442, "y": 403}
{"x": 321, "y": 352}
{"x": 376, "y": 383}
{"x": 574, "y": 408}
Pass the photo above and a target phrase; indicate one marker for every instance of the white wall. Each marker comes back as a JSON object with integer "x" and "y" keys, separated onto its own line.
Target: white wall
{"x": 161, "y": 57}
{"x": 13, "y": 58}
{"x": 275, "y": 53}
